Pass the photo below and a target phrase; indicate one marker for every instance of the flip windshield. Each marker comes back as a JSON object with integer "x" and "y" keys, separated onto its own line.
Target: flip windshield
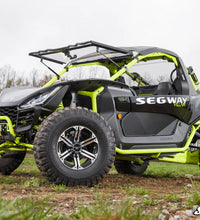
{"x": 82, "y": 52}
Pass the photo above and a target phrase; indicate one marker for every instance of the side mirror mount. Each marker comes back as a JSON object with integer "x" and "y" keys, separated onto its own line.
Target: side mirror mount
{"x": 193, "y": 75}
{"x": 190, "y": 69}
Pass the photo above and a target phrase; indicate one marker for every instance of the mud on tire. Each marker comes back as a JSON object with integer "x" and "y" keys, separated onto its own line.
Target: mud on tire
{"x": 74, "y": 146}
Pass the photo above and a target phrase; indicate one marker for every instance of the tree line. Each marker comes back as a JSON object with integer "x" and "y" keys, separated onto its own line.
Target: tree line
{"x": 9, "y": 77}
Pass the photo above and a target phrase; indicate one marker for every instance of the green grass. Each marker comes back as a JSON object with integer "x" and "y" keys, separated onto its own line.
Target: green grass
{"x": 130, "y": 189}
{"x": 7, "y": 179}
{"x": 172, "y": 197}
{"x": 193, "y": 194}
{"x": 149, "y": 202}
{"x": 105, "y": 208}
{"x": 163, "y": 169}
{"x": 155, "y": 169}
{"x": 60, "y": 188}
{"x": 33, "y": 182}
{"x": 28, "y": 165}
{"x": 19, "y": 209}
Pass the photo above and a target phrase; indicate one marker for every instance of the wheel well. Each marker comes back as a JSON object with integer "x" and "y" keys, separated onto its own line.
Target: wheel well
{"x": 73, "y": 99}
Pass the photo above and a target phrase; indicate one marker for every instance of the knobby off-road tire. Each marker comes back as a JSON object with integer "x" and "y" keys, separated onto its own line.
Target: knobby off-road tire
{"x": 130, "y": 167}
{"x": 10, "y": 161}
{"x": 74, "y": 146}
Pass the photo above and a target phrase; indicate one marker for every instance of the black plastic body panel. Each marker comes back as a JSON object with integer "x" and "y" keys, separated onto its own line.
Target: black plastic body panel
{"x": 195, "y": 108}
{"x": 161, "y": 130}
{"x": 140, "y": 124}
{"x": 161, "y": 104}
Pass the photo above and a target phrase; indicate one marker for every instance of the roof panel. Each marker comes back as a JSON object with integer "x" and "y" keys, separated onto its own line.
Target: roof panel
{"x": 139, "y": 50}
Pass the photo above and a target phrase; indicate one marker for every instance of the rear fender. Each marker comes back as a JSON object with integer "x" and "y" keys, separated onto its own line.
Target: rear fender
{"x": 194, "y": 109}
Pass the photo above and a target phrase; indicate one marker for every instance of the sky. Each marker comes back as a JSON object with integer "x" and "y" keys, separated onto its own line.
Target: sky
{"x": 32, "y": 25}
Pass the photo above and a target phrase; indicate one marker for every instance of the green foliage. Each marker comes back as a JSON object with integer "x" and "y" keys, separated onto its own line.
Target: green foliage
{"x": 171, "y": 197}
{"x": 149, "y": 201}
{"x": 131, "y": 189}
{"x": 193, "y": 194}
{"x": 28, "y": 165}
{"x": 27, "y": 210}
{"x": 6, "y": 179}
{"x": 60, "y": 188}
{"x": 164, "y": 169}
{"x": 33, "y": 182}
{"x": 29, "y": 161}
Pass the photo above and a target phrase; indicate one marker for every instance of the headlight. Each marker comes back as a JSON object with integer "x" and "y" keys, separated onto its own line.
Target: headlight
{"x": 40, "y": 99}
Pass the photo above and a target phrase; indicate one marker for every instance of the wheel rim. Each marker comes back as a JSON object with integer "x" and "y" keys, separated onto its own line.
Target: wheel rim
{"x": 77, "y": 147}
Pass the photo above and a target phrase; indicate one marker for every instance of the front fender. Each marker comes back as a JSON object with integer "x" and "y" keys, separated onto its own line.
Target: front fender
{"x": 53, "y": 103}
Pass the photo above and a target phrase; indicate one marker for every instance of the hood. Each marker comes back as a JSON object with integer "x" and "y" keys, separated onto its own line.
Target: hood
{"x": 15, "y": 94}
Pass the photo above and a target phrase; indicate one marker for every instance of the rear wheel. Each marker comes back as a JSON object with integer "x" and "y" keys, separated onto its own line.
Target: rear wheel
{"x": 130, "y": 167}
{"x": 10, "y": 161}
{"x": 74, "y": 147}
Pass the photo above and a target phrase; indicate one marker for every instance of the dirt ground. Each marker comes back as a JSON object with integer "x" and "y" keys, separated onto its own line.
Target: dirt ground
{"x": 112, "y": 185}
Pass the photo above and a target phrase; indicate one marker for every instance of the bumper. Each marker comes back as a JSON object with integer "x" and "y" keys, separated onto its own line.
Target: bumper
{"x": 8, "y": 139}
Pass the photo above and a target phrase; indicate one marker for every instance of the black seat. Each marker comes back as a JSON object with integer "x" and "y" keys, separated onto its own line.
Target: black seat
{"x": 164, "y": 88}
{"x": 180, "y": 86}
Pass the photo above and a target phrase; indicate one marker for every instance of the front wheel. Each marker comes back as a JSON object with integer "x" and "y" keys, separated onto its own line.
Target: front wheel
{"x": 74, "y": 147}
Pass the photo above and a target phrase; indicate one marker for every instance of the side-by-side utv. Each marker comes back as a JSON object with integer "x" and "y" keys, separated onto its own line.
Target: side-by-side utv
{"x": 79, "y": 128}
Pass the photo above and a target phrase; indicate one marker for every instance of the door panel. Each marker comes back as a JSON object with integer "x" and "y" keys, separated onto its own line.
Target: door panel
{"x": 148, "y": 124}
{"x": 174, "y": 105}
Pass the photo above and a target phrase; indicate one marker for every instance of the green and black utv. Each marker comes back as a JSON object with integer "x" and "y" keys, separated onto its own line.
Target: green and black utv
{"x": 79, "y": 128}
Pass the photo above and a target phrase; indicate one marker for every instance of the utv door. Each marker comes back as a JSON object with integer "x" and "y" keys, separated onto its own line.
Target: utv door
{"x": 158, "y": 110}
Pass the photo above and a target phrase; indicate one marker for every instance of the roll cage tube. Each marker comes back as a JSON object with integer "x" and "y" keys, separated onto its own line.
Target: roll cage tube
{"x": 116, "y": 75}
{"x": 139, "y": 58}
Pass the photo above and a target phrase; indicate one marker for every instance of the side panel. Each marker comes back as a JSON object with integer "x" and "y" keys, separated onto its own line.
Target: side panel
{"x": 140, "y": 124}
{"x": 195, "y": 108}
{"x": 174, "y": 105}
{"x": 172, "y": 133}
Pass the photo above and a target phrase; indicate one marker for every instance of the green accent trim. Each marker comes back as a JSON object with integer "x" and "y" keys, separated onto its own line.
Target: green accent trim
{"x": 15, "y": 146}
{"x": 61, "y": 106}
{"x": 185, "y": 157}
{"x": 136, "y": 79}
{"x": 145, "y": 94}
{"x": 123, "y": 70}
{"x": 194, "y": 78}
{"x": 158, "y": 55}
{"x": 56, "y": 78}
{"x": 193, "y": 83}
{"x": 88, "y": 64}
{"x": 162, "y": 150}
{"x": 140, "y": 58}
{"x": 93, "y": 96}
{"x": 35, "y": 127}
{"x": 9, "y": 123}
{"x": 114, "y": 70}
